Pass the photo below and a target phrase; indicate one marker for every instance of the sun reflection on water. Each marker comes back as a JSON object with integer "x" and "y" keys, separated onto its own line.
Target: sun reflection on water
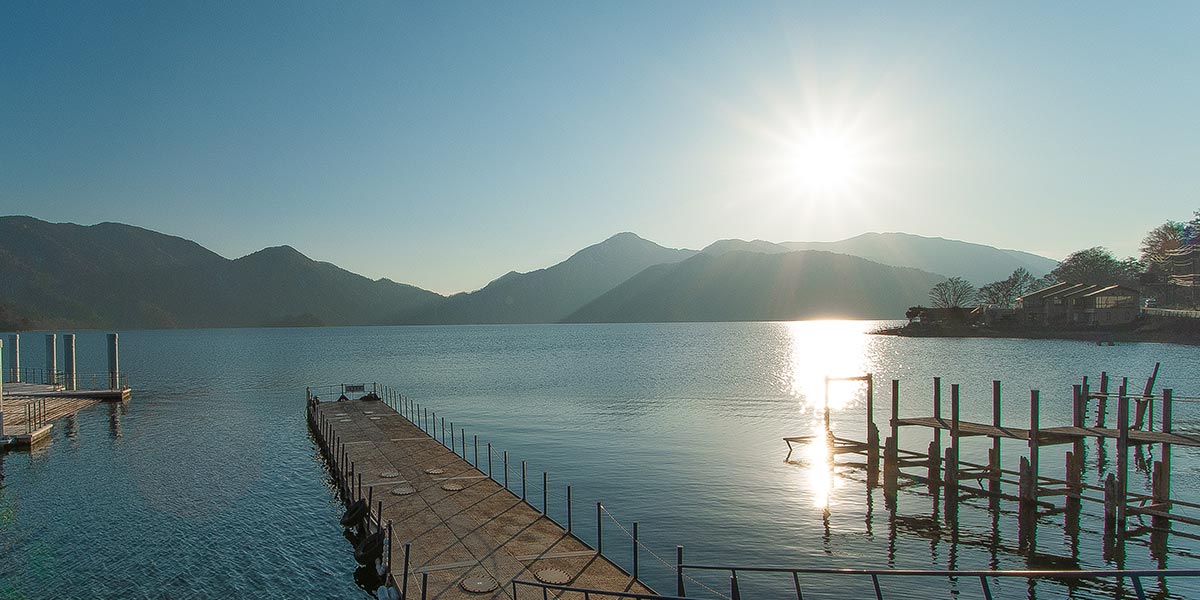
{"x": 821, "y": 349}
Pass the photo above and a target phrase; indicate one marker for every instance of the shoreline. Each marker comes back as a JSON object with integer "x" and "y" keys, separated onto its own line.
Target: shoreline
{"x": 1165, "y": 330}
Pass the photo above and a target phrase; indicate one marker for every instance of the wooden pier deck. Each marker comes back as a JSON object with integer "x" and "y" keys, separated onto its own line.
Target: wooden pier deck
{"x": 1052, "y": 435}
{"x": 462, "y": 525}
{"x": 52, "y": 403}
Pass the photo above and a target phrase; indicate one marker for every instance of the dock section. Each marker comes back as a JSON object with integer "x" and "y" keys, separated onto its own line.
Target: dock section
{"x": 455, "y": 531}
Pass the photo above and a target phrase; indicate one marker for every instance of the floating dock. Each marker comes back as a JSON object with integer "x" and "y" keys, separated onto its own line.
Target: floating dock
{"x": 454, "y": 530}
{"x": 31, "y": 399}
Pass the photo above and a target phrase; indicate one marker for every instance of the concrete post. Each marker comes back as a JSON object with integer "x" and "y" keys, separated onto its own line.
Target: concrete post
{"x": 114, "y": 363}
{"x": 51, "y": 359}
{"x": 69, "y": 361}
{"x": 14, "y": 360}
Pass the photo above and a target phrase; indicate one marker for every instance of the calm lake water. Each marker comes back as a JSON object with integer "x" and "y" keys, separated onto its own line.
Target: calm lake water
{"x": 207, "y": 484}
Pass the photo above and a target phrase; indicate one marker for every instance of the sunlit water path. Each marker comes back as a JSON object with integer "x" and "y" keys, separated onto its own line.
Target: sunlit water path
{"x": 207, "y": 483}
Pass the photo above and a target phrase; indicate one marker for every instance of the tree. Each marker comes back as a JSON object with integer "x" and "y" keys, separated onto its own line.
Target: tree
{"x": 1163, "y": 239}
{"x": 955, "y": 292}
{"x": 1006, "y": 291}
{"x": 1096, "y": 266}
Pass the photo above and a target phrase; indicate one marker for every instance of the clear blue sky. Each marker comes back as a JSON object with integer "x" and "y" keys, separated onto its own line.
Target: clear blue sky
{"x": 443, "y": 144}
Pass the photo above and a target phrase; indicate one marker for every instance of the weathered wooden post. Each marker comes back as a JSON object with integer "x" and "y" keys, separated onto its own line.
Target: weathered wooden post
{"x": 1146, "y": 402}
{"x": 994, "y": 453}
{"x": 69, "y": 379}
{"x": 826, "y": 409}
{"x": 1102, "y": 403}
{"x": 872, "y": 435}
{"x": 950, "y": 479}
{"x": 114, "y": 362}
{"x": 1122, "y": 455}
{"x": 935, "y": 446}
{"x": 51, "y": 359}
{"x": 891, "y": 452}
{"x": 1035, "y": 449}
{"x": 1162, "y": 467}
{"x": 14, "y": 357}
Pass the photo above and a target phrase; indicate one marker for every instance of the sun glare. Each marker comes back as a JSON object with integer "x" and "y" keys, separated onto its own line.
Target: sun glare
{"x": 827, "y": 164}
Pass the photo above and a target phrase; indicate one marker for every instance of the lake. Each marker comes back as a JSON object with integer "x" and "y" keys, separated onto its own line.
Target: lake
{"x": 207, "y": 483}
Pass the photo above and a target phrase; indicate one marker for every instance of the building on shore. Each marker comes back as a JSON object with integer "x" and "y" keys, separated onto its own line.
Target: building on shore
{"x": 1183, "y": 271}
{"x": 1080, "y": 304}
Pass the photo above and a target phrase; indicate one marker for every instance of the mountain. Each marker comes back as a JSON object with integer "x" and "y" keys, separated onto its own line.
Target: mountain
{"x": 976, "y": 263}
{"x": 724, "y": 246}
{"x": 551, "y": 294}
{"x": 115, "y": 275}
{"x": 752, "y": 286}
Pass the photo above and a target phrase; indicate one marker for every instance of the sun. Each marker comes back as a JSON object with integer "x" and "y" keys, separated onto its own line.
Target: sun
{"x": 826, "y": 163}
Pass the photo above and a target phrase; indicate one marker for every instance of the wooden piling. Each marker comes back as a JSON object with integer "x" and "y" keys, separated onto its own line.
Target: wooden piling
{"x": 1035, "y": 408}
{"x": 1122, "y": 489}
{"x": 872, "y": 435}
{"x": 994, "y": 454}
{"x": 1102, "y": 403}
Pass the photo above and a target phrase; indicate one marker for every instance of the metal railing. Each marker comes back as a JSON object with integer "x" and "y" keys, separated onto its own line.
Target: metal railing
{"x": 35, "y": 415}
{"x": 83, "y": 381}
{"x": 984, "y": 577}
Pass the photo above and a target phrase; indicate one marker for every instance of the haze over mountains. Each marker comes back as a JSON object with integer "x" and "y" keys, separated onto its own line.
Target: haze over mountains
{"x": 120, "y": 276}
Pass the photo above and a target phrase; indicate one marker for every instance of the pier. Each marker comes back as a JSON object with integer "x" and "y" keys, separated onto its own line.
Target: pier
{"x": 31, "y": 399}
{"x": 942, "y": 469}
{"x": 454, "y": 525}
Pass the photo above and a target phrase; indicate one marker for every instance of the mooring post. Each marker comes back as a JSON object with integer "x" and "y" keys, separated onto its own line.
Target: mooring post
{"x": 51, "y": 359}
{"x": 1122, "y": 454}
{"x": 951, "y": 484}
{"x": 114, "y": 361}
{"x": 1110, "y": 504}
{"x": 14, "y": 357}
{"x": 994, "y": 455}
{"x": 70, "y": 375}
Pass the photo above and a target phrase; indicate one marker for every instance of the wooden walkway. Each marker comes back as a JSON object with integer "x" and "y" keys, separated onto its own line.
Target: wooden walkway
{"x": 52, "y": 402}
{"x": 461, "y": 524}
{"x": 1052, "y": 435}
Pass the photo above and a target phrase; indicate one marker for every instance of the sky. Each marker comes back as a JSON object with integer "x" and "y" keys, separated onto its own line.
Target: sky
{"x": 445, "y": 144}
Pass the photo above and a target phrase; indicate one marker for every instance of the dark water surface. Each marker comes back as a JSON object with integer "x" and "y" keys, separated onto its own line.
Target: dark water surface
{"x": 207, "y": 485}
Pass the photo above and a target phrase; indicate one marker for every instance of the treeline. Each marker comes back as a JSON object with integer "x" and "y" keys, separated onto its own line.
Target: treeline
{"x": 1096, "y": 265}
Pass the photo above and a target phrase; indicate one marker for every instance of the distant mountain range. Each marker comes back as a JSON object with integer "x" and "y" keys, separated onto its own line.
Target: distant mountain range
{"x": 120, "y": 276}
{"x": 976, "y": 263}
{"x": 752, "y": 286}
{"x": 114, "y": 275}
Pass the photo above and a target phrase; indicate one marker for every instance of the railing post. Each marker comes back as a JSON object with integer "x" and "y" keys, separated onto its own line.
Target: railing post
{"x": 599, "y": 529}
{"x": 635, "y": 549}
{"x": 424, "y": 584}
{"x": 734, "y": 592}
{"x": 679, "y": 571}
{"x": 404, "y": 577}
{"x": 506, "y": 469}
{"x": 523, "y": 472}
{"x": 476, "y": 451}
{"x": 545, "y": 481}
